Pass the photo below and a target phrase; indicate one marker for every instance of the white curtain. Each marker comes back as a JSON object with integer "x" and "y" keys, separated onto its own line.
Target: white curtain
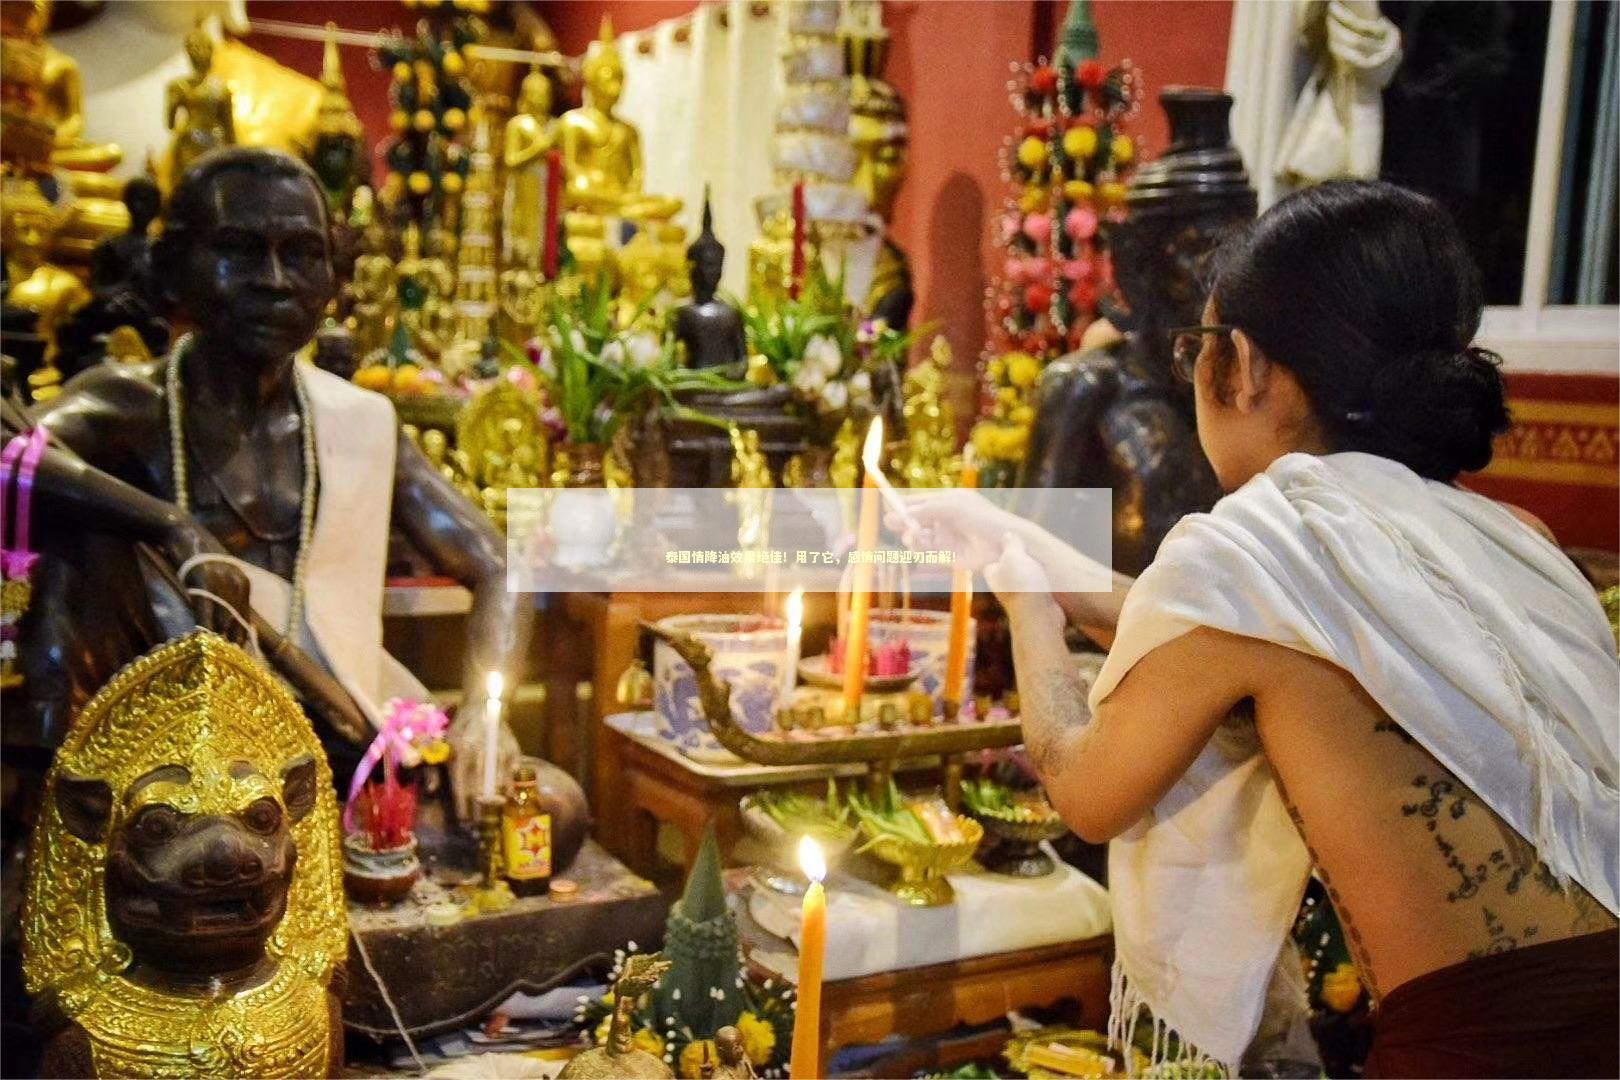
{"x": 704, "y": 107}
{"x": 1266, "y": 67}
{"x": 127, "y": 54}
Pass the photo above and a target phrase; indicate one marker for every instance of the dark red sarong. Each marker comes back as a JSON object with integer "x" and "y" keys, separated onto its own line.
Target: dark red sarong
{"x": 1541, "y": 1010}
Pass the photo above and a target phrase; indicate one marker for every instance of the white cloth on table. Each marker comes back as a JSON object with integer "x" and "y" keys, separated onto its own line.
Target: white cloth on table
{"x": 355, "y": 443}
{"x": 992, "y": 913}
{"x": 1466, "y": 626}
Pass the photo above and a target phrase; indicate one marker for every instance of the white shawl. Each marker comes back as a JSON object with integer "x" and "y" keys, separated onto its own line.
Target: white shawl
{"x": 1467, "y": 627}
{"x": 355, "y": 443}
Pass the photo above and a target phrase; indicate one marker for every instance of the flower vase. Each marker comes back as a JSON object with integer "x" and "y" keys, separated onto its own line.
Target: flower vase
{"x": 379, "y": 878}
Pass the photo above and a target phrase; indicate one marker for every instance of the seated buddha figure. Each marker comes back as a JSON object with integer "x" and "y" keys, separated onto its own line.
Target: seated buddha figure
{"x": 602, "y": 166}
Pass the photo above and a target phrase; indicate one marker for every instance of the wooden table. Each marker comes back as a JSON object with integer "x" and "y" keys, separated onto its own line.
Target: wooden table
{"x": 653, "y": 782}
{"x": 933, "y": 1000}
{"x": 444, "y": 977}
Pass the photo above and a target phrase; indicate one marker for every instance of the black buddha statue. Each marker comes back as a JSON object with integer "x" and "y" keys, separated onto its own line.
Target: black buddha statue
{"x": 121, "y": 288}
{"x": 1116, "y": 416}
{"x": 711, "y": 329}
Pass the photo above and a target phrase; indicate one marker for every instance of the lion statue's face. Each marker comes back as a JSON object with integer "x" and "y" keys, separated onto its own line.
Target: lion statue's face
{"x": 198, "y": 862}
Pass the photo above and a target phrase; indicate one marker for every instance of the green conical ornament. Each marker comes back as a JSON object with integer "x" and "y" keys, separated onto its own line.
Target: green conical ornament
{"x": 700, "y": 939}
{"x": 1077, "y": 44}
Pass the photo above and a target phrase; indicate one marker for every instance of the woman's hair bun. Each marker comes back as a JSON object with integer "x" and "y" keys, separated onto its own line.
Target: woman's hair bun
{"x": 1366, "y": 292}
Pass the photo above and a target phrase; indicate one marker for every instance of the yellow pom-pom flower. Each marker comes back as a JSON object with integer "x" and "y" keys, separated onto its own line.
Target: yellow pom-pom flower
{"x": 698, "y": 1052}
{"x": 399, "y": 120}
{"x": 1113, "y": 193}
{"x": 1079, "y": 191}
{"x": 1022, "y": 415}
{"x": 648, "y": 1040}
{"x": 451, "y": 183}
{"x": 420, "y": 183}
{"x": 454, "y": 64}
{"x": 1032, "y": 153}
{"x": 1022, "y": 370}
{"x": 423, "y": 120}
{"x": 402, "y": 72}
{"x": 759, "y": 1039}
{"x": 1341, "y": 988}
{"x": 1123, "y": 149}
{"x": 1080, "y": 142}
{"x": 454, "y": 119}
{"x": 1033, "y": 200}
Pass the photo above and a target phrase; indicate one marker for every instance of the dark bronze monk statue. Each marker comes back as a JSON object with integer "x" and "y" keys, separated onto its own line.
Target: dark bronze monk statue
{"x": 1117, "y": 416}
{"x": 710, "y": 328}
{"x": 296, "y": 472}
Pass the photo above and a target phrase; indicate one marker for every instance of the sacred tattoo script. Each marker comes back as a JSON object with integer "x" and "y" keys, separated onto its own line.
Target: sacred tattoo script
{"x": 1055, "y": 718}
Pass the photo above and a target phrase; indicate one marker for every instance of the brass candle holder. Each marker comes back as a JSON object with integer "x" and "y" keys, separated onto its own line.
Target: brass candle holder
{"x": 492, "y": 892}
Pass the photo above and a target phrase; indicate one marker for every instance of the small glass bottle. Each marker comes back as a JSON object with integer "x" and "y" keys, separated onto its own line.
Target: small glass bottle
{"x": 526, "y": 835}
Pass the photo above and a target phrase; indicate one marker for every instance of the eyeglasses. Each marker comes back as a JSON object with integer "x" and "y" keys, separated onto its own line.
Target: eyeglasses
{"x": 1187, "y": 343}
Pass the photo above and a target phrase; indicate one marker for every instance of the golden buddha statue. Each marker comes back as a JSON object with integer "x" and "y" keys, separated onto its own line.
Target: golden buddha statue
{"x": 62, "y": 99}
{"x": 375, "y": 288}
{"x": 51, "y": 293}
{"x": 424, "y": 284}
{"x": 930, "y": 425}
{"x": 198, "y": 107}
{"x": 602, "y": 166}
{"x": 877, "y": 128}
{"x": 529, "y": 137}
{"x": 652, "y": 271}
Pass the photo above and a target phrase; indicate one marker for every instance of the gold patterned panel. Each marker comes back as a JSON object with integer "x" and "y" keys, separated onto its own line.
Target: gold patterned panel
{"x": 1561, "y": 443}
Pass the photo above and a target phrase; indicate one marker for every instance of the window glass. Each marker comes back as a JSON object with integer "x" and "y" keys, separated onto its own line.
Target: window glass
{"x": 1583, "y": 268}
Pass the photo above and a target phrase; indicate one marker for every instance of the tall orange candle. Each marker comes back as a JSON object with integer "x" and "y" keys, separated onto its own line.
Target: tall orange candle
{"x": 805, "y": 1064}
{"x": 860, "y": 595}
{"x": 961, "y": 613}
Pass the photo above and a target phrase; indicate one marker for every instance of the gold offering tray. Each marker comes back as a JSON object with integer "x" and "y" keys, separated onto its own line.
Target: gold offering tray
{"x": 827, "y": 745}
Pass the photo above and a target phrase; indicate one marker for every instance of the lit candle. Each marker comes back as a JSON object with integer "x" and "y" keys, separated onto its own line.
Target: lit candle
{"x": 493, "y": 685}
{"x": 795, "y": 634}
{"x": 860, "y": 595}
{"x": 961, "y": 612}
{"x": 796, "y": 272}
{"x": 805, "y": 1064}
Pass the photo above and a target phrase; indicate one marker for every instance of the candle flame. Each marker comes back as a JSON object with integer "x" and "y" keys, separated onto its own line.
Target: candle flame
{"x": 811, "y": 860}
{"x": 494, "y": 685}
{"x": 794, "y": 609}
{"x": 872, "y": 454}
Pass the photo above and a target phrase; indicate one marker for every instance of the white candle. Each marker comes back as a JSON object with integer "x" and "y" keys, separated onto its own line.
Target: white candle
{"x": 795, "y": 633}
{"x": 493, "y": 685}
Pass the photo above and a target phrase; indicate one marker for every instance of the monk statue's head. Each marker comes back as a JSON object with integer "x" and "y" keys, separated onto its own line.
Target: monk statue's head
{"x": 200, "y": 49}
{"x": 603, "y": 69}
{"x": 534, "y": 97}
{"x": 245, "y": 254}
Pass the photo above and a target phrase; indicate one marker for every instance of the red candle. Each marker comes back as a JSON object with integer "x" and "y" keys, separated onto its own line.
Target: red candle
{"x": 553, "y": 211}
{"x": 796, "y": 281}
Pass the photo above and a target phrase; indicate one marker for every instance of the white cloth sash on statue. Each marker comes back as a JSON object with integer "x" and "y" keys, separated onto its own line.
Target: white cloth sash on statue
{"x": 355, "y": 433}
{"x": 1467, "y": 627}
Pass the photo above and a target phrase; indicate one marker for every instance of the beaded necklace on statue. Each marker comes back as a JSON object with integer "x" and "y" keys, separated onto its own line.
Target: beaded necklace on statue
{"x": 306, "y": 502}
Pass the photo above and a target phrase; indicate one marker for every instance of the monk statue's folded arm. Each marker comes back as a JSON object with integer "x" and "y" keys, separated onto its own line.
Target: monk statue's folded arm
{"x": 462, "y": 544}
{"x": 1103, "y": 772}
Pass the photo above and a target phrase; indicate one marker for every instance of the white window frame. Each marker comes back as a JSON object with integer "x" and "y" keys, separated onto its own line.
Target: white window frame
{"x": 1534, "y": 336}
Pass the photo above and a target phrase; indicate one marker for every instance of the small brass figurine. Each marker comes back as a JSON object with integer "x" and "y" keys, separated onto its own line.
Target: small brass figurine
{"x": 185, "y": 912}
{"x": 734, "y": 1063}
{"x": 619, "y": 1056}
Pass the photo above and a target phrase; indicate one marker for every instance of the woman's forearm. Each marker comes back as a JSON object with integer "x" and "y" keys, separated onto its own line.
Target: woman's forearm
{"x": 1051, "y": 694}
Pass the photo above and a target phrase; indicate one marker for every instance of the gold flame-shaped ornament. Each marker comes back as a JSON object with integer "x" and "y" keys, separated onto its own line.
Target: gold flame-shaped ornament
{"x": 201, "y": 703}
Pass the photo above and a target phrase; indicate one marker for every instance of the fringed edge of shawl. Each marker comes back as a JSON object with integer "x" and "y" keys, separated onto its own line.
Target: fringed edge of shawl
{"x": 1125, "y": 1007}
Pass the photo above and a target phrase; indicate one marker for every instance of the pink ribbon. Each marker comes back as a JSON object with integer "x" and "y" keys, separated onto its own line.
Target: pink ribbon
{"x": 405, "y": 726}
{"x": 20, "y": 457}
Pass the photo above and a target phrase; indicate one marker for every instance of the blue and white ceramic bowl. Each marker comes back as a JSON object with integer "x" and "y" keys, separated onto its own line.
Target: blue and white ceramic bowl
{"x": 749, "y": 652}
{"x": 929, "y": 635}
